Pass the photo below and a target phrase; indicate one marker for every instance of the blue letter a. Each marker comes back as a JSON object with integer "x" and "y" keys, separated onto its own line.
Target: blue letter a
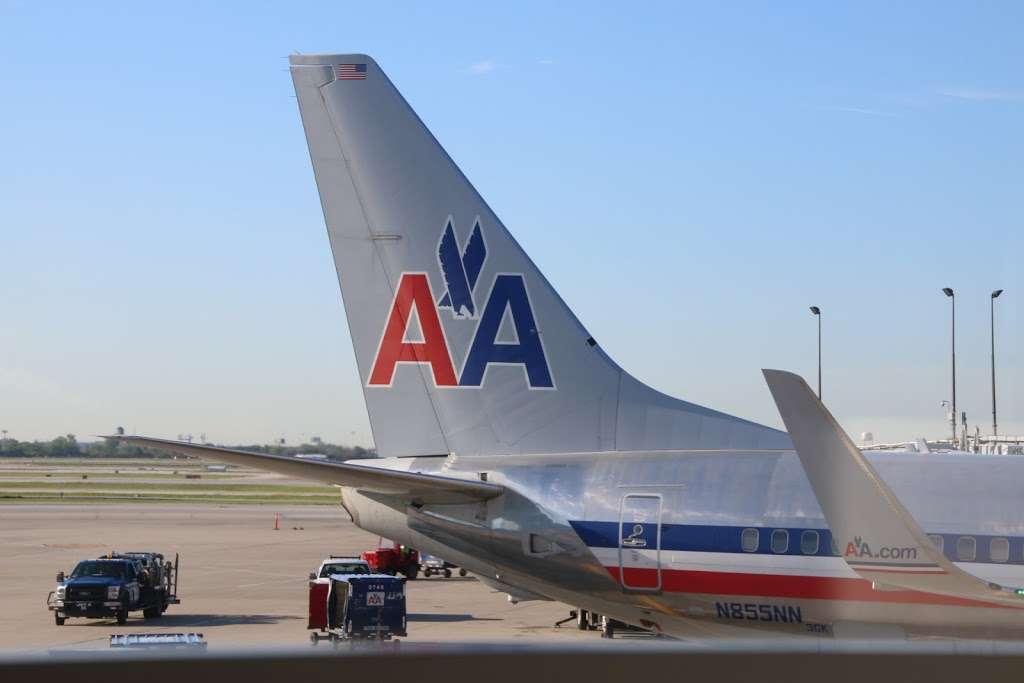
{"x": 509, "y": 292}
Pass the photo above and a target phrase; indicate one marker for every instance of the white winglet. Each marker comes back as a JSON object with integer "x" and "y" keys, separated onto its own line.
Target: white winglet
{"x": 872, "y": 530}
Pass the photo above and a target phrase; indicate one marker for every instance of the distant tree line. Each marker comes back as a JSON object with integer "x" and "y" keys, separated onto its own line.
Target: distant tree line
{"x": 68, "y": 446}
{"x": 332, "y": 451}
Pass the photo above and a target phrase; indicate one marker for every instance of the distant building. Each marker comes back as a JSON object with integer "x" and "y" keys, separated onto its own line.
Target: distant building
{"x": 311, "y": 456}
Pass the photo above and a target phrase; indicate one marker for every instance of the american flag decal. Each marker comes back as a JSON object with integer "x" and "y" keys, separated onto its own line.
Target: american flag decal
{"x": 350, "y": 72}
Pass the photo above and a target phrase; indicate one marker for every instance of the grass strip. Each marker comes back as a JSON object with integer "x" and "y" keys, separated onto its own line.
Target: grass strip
{"x": 190, "y": 485}
{"x": 97, "y": 497}
{"x": 62, "y": 474}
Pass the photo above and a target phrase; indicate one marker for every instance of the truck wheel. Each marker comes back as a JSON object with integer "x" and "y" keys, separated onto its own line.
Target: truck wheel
{"x": 153, "y": 612}
{"x": 447, "y": 573}
{"x": 58, "y": 619}
{"x": 582, "y": 619}
{"x": 122, "y": 614}
{"x": 427, "y": 572}
{"x": 462, "y": 572}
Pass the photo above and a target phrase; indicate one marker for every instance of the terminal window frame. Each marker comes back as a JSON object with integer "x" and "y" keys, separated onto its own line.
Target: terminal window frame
{"x": 750, "y": 540}
{"x": 962, "y": 545}
{"x": 807, "y": 537}
{"x": 777, "y": 536}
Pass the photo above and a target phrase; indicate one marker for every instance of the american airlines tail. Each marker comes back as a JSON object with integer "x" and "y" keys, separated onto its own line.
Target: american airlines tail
{"x": 462, "y": 345}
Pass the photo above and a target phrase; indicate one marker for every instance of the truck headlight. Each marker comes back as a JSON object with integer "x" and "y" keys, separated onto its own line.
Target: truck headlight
{"x": 60, "y": 592}
{"x": 113, "y": 592}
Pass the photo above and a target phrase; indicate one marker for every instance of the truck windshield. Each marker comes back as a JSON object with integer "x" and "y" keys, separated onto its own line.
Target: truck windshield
{"x": 114, "y": 570}
{"x": 343, "y": 568}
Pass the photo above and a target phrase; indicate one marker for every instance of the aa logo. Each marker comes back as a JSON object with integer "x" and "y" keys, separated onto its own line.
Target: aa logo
{"x": 859, "y": 548}
{"x": 414, "y": 334}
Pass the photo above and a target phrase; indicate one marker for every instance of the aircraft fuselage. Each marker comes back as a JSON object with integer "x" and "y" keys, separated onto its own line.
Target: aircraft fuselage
{"x": 714, "y": 542}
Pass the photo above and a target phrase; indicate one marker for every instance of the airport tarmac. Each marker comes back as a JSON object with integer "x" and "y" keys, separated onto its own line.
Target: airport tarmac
{"x": 242, "y": 583}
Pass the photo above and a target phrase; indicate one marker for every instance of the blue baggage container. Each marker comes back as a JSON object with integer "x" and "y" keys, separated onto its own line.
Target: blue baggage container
{"x": 366, "y": 606}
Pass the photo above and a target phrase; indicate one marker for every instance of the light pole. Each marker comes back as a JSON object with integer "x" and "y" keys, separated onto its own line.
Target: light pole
{"x": 992, "y": 321}
{"x": 948, "y": 291}
{"x": 817, "y": 313}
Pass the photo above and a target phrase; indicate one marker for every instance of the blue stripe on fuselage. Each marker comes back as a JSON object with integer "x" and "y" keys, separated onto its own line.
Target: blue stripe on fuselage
{"x": 727, "y": 539}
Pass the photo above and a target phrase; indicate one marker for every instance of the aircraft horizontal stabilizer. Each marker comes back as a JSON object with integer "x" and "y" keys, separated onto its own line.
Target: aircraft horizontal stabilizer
{"x": 873, "y": 531}
{"x": 419, "y": 489}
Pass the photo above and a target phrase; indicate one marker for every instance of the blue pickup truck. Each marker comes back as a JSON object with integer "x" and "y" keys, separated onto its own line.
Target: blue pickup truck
{"x": 115, "y": 585}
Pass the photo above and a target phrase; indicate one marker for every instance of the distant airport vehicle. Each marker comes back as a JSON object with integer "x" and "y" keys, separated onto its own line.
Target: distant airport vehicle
{"x": 320, "y": 581}
{"x": 336, "y": 564}
{"x": 432, "y": 564}
{"x": 358, "y": 606}
{"x": 514, "y": 446}
{"x": 114, "y": 586}
{"x": 394, "y": 559}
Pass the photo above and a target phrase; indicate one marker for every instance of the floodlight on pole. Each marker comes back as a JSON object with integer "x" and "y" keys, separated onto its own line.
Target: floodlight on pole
{"x": 948, "y": 291}
{"x": 992, "y": 322}
{"x": 817, "y": 313}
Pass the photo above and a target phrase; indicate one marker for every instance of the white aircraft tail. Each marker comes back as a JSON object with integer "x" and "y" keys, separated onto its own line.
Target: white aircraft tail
{"x": 462, "y": 345}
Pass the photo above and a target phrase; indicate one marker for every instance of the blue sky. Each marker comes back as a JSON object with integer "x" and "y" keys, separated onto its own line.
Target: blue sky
{"x": 691, "y": 177}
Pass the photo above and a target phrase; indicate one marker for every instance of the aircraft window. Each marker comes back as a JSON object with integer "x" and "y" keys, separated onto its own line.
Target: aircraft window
{"x": 540, "y": 545}
{"x": 966, "y": 548}
{"x": 780, "y": 541}
{"x": 106, "y": 569}
{"x": 809, "y": 542}
{"x": 999, "y": 549}
{"x": 936, "y": 540}
{"x": 749, "y": 540}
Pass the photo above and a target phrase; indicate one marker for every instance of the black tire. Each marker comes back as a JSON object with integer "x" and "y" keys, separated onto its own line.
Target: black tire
{"x": 153, "y": 612}
{"x": 58, "y": 619}
{"x": 462, "y": 572}
{"x": 582, "y": 619}
{"x": 122, "y": 613}
{"x": 427, "y": 572}
{"x": 412, "y": 572}
{"x": 447, "y": 573}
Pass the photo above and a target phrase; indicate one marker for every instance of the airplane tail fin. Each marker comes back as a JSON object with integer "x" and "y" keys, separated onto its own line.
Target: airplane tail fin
{"x": 462, "y": 345}
{"x": 876, "y": 535}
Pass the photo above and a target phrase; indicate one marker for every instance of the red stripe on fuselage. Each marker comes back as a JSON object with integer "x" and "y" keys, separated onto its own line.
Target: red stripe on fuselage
{"x": 782, "y": 586}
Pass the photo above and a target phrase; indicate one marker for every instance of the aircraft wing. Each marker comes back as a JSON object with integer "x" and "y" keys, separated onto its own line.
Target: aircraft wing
{"x": 873, "y": 531}
{"x": 411, "y": 486}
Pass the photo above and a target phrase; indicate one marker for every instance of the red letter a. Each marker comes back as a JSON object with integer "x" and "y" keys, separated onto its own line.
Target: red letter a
{"x": 413, "y": 292}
